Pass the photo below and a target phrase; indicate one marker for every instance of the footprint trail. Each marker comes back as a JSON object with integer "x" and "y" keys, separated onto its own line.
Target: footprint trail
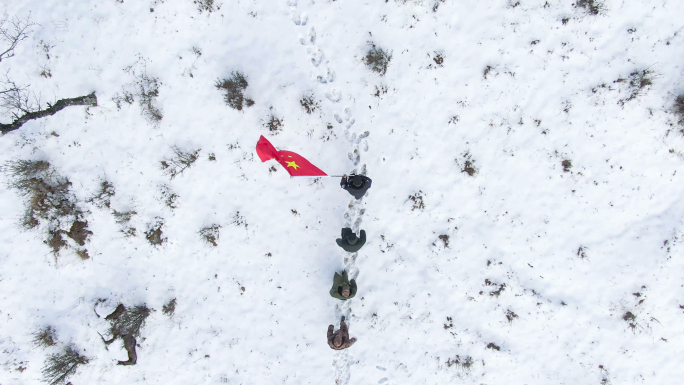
{"x": 324, "y": 75}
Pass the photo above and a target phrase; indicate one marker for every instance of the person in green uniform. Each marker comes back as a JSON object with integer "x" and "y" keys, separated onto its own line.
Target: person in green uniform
{"x": 343, "y": 288}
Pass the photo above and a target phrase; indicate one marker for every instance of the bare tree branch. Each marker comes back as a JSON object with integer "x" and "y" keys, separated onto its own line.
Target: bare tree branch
{"x": 13, "y": 32}
{"x": 29, "y": 114}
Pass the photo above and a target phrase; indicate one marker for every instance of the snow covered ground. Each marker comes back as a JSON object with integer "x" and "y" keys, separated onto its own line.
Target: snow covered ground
{"x": 530, "y": 271}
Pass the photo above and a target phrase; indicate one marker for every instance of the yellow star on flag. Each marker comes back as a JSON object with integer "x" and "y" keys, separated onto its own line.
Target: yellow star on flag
{"x": 293, "y": 164}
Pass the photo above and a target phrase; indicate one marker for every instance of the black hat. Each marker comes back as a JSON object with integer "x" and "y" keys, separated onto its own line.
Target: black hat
{"x": 352, "y": 239}
{"x": 357, "y": 181}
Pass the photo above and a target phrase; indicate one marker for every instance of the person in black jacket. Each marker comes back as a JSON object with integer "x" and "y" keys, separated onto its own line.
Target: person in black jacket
{"x": 350, "y": 242}
{"x": 356, "y": 185}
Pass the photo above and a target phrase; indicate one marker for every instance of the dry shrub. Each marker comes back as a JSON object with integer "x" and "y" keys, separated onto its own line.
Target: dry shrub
{"x": 102, "y": 198}
{"x": 155, "y": 235}
{"x": 79, "y": 232}
{"x": 123, "y": 218}
{"x": 592, "y": 7}
{"x": 55, "y": 240}
{"x": 48, "y": 194}
{"x": 60, "y": 366}
{"x": 181, "y": 161}
{"x": 464, "y": 363}
{"x": 309, "y": 102}
{"x": 206, "y": 6}
{"x": 567, "y": 165}
{"x": 48, "y": 199}
{"x": 45, "y": 337}
{"x": 169, "y": 197}
{"x": 128, "y": 321}
{"x": 638, "y": 81}
{"x": 211, "y": 234}
{"x": 469, "y": 165}
{"x": 148, "y": 91}
{"x": 234, "y": 88}
{"x": 273, "y": 123}
{"x": 377, "y": 59}
{"x": 417, "y": 200}
{"x": 126, "y": 324}
{"x": 169, "y": 308}
{"x": 679, "y": 110}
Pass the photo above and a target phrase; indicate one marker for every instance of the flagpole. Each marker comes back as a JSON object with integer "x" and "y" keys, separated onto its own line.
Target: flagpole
{"x": 316, "y": 176}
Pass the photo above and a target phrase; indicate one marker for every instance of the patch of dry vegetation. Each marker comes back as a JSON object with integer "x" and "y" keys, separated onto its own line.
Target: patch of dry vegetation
{"x": 49, "y": 200}
{"x": 377, "y": 59}
{"x": 233, "y": 90}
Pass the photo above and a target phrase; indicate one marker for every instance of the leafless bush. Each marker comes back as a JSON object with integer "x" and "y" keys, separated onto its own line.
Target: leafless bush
{"x": 123, "y": 218}
{"x": 567, "y": 165}
{"x": 464, "y": 363}
{"x": 12, "y": 32}
{"x": 211, "y": 234}
{"x": 83, "y": 254}
{"x": 592, "y": 7}
{"x": 181, "y": 161}
{"x": 154, "y": 234}
{"x": 47, "y": 193}
{"x": 630, "y": 318}
{"x": 126, "y": 324}
{"x": 488, "y": 69}
{"x": 169, "y": 197}
{"x": 55, "y": 240}
{"x": 380, "y": 90}
{"x": 510, "y": 316}
{"x": 45, "y": 337}
{"x": 206, "y": 6}
{"x": 127, "y": 97}
{"x": 637, "y": 82}
{"x": 273, "y": 123}
{"x": 61, "y": 366}
{"x": 234, "y": 88}
{"x": 79, "y": 232}
{"x": 582, "y": 252}
{"x": 417, "y": 200}
{"x": 309, "y": 102}
{"x": 128, "y": 321}
{"x": 438, "y": 58}
{"x": 146, "y": 90}
{"x": 102, "y": 198}
{"x": 445, "y": 239}
{"x": 679, "y": 110}
{"x": 17, "y": 101}
{"x": 169, "y": 308}
{"x": 239, "y": 220}
{"x": 469, "y": 165}
{"x": 377, "y": 59}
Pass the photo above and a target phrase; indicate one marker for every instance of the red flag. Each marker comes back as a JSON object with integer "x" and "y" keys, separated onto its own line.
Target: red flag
{"x": 294, "y": 163}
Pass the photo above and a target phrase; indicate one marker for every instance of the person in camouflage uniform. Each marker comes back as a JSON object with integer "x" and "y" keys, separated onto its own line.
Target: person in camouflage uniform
{"x": 340, "y": 339}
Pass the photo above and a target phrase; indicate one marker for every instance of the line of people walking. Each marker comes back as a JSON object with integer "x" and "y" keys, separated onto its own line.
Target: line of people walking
{"x": 343, "y": 288}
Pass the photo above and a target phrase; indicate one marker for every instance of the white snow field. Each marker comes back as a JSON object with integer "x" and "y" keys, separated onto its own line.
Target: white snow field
{"x": 529, "y": 271}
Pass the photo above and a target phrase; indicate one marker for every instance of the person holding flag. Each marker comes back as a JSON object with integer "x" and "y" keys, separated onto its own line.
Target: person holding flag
{"x": 297, "y": 165}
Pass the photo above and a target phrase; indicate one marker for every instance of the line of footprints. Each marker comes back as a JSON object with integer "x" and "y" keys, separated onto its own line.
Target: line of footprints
{"x": 343, "y": 288}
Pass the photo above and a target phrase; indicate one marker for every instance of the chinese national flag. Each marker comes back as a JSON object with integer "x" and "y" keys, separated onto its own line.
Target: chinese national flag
{"x": 294, "y": 163}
